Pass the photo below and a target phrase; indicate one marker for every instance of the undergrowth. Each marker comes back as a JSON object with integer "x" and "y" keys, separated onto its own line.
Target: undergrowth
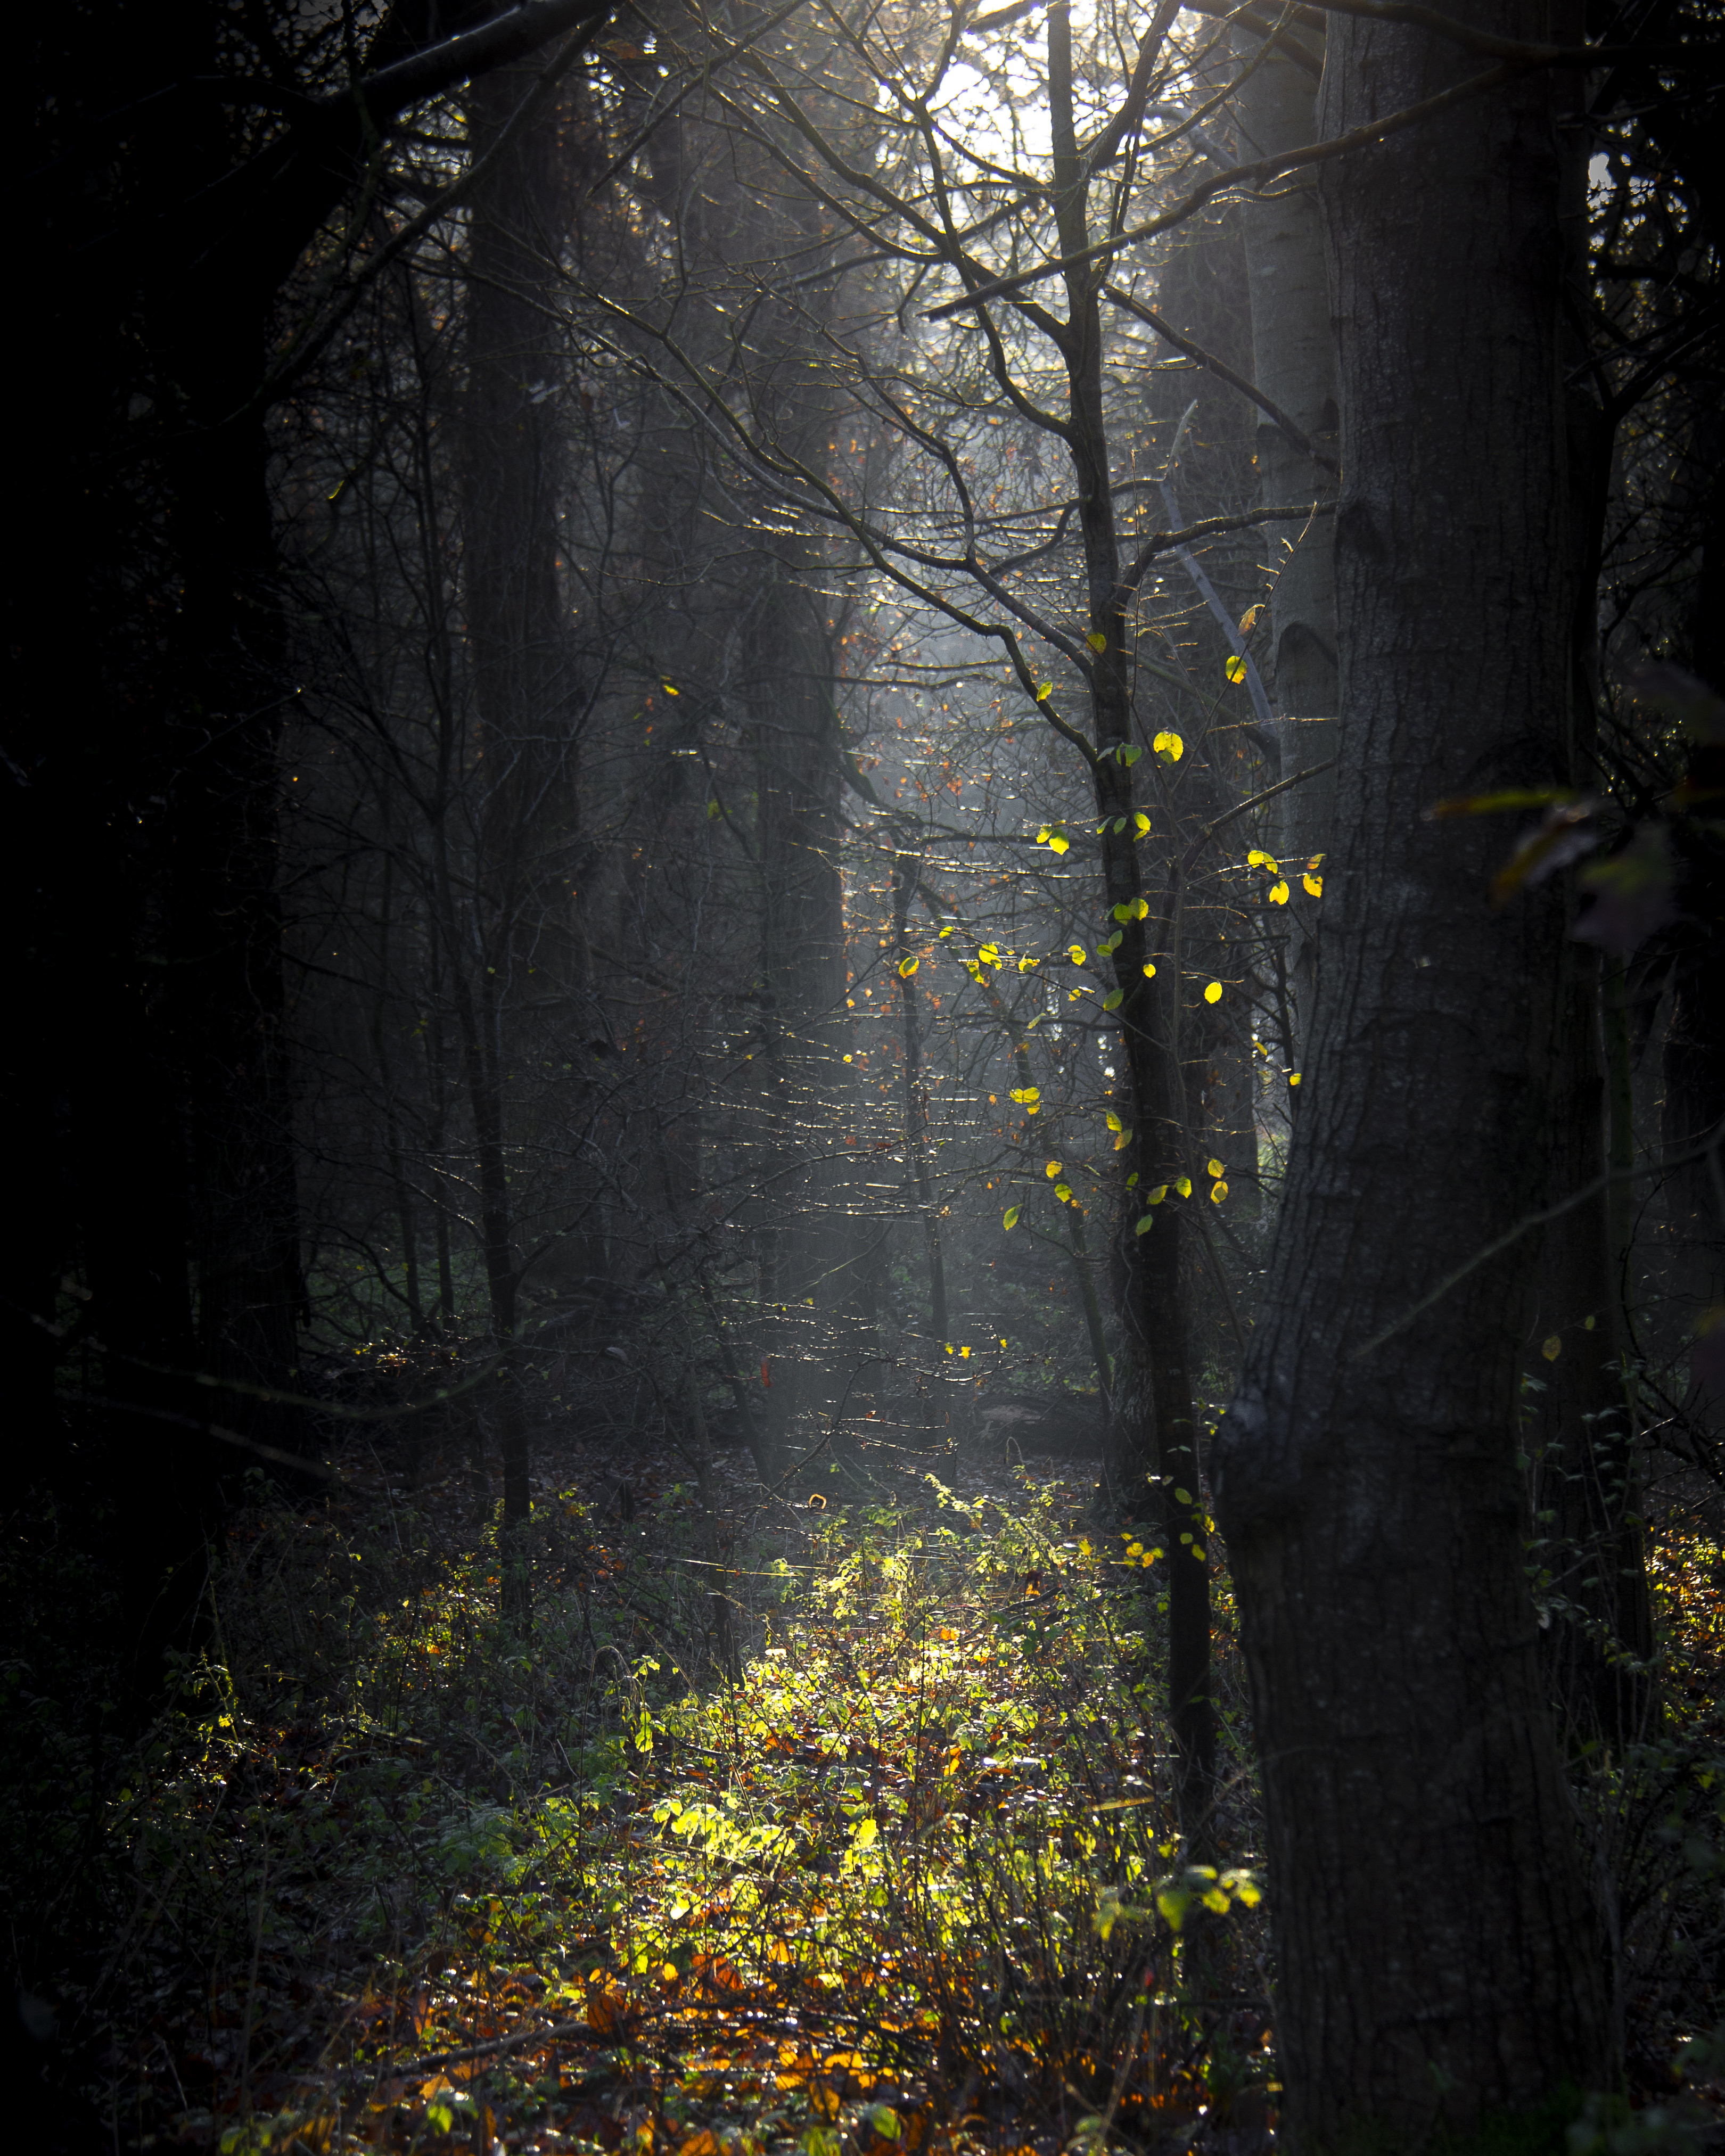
{"x": 914, "y": 1876}
{"x": 388, "y": 1876}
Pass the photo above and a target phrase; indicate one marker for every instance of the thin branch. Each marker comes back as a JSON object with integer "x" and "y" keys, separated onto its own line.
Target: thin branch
{"x": 1708, "y": 1152}
{"x": 1220, "y": 367}
{"x": 1235, "y": 176}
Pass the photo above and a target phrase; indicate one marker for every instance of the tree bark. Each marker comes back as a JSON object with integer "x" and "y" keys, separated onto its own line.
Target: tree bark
{"x": 521, "y": 677}
{"x": 1439, "y": 1958}
{"x": 1294, "y": 364}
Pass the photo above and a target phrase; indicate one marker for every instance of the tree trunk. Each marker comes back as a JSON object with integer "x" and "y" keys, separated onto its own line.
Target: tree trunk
{"x": 1154, "y": 1417}
{"x": 1439, "y": 1957}
{"x": 1294, "y": 364}
{"x": 520, "y": 676}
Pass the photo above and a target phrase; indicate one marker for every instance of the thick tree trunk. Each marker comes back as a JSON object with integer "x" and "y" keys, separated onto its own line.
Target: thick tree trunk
{"x": 1438, "y": 1954}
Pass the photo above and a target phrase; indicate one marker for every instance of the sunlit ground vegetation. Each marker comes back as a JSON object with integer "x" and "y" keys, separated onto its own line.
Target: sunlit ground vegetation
{"x": 863, "y": 1839}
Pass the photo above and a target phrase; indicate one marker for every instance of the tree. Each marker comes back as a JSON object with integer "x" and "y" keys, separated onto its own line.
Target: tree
{"x": 1445, "y": 1965}
{"x": 188, "y": 171}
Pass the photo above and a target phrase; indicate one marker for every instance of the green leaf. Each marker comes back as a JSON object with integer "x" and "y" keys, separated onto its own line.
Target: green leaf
{"x": 1114, "y": 999}
{"x": 1146, "y": 1222}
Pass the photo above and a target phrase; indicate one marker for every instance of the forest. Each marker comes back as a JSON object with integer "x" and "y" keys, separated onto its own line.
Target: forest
{"x": 867, "y": 1240}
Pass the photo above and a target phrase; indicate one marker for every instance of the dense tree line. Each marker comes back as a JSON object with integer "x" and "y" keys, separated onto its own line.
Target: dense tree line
{"x": 857, "y": 708}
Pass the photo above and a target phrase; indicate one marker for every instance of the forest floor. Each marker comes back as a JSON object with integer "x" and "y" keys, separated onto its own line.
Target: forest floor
{"x": 842, "y": 1824}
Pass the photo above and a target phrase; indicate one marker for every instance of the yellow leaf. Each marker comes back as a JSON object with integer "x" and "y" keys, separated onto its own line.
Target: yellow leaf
{"x": 1214, "y": 1168}
{"x": 1112, "y": 1120}
{"x": 670, "y": 688}
{"x": 1156, "y": 1196}
{"x": 906, "y": 967}
{"x": 964, "y": 1354}
{"x": 1028, "y": 965}
{"x": 1213, "y": 993}
{"x": 1219, "y": 1191}
{"x": 1279, "y": 893}
{"x": 1024, "y": 1094}
{"x": 1010, "y": 1217}
{"x": 947, "y": 930}
{"x": 1314, "y": 883}
{"x": 1169, "y": 747}
{"x": 1063, "y": 1191}
{"x": 1096, "y": 640}
{"x": 1149, "y": 970}
{"x": 1250, "y": 617}
{"x": 1141, "y": 824}
{"x": 1182, "y": 1183}
{"x": 1076, "y": 954}
{"x": 1293, "y": 1077}
{"x": 1122, "y": 1142}
{"x": 1052, "y": 1170}
{"x": 1551, "y": 1348}
{"x": 1235, "y": 669}
{"x": 1057, "y": 844}
{"x": 1044, "y": 690}
{"x": 1258, "y": 859}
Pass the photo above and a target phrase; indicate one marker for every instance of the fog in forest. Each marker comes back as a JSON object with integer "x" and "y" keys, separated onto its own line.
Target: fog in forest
{"x": 869, "y": 1081}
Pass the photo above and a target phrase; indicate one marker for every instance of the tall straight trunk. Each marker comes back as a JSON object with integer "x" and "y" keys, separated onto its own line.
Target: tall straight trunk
{"x": 1439, "y": 1958}
{"x": 1154, "y": 1416}
{"x": 1294, "y": 364}
{"x": 519, "y": 658}
{"x": 906, "y": 869}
